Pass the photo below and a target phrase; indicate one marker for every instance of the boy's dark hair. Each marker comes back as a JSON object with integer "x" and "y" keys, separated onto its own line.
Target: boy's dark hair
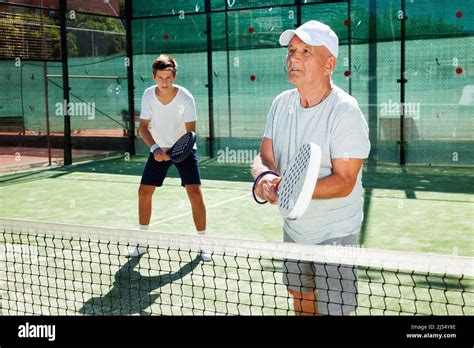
{"x": 165, "y": 62}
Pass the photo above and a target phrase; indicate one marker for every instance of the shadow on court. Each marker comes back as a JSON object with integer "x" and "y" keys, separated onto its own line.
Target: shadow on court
{"x": 452, "y": 285}
{"x": 375, "y": 176}
{"x": 420, "y": 178}
{"x": 132, "y": 292}
{"x": 210, "y": 170}
{"x": 412, "y": 179}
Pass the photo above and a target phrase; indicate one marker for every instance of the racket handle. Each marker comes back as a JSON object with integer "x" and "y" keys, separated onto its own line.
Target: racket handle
{"x": 278, "y": 184}
{"x": 257, "y": 179}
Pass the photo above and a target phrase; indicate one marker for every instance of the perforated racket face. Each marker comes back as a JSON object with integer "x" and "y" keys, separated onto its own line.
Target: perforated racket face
{"x": 182, "y": 148}
{"x": 298, "y": 182}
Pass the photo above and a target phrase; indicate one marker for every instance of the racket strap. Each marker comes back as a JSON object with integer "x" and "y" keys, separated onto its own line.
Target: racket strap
{"x": 257, "y": 179}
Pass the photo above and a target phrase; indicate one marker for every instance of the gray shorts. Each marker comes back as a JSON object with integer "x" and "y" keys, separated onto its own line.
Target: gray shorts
{"x": 336, "y": 285}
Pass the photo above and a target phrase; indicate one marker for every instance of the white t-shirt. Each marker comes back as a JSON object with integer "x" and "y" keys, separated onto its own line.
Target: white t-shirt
{"x": 338, "y": 126}
{"x": 167, "y": 121}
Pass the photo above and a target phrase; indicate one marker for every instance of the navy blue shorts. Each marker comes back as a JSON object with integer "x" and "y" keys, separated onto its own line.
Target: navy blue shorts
{"x": 155, "y": 172}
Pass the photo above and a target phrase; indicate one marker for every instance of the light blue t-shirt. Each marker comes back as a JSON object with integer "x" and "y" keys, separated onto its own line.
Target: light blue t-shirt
{"x": 338, "y": 126}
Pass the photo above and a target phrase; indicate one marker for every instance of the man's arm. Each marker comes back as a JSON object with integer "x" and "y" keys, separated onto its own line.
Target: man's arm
{"x": 339, "y": 184}
{"x": 265, "y": 160}
{"x": 349, "y": 146}
{"x": 145, "y": 132}
{"x": 342, "y": 180}
{"x": 190, "y": 126}
{"x": 159, "y": 154}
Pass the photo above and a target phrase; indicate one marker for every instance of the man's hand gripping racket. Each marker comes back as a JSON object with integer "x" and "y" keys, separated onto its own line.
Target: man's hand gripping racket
{"x": 294, "y": 190}
{"x": 180, "y": 150}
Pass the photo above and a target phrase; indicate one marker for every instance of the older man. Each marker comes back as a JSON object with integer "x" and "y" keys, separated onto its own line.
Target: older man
{"x": 317, "y": 111}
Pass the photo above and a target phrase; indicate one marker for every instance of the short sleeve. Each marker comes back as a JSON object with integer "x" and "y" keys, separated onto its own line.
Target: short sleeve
{"x": 268, "y": 133}
{"x": 350, "y": 135}
{"x": 190, "y": 114}
{"x": 146, "y": 111}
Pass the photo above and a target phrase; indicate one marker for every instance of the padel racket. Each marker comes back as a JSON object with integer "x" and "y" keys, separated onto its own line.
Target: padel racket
{"x": 182, "y": 148}
{"x": 296, "y": 187}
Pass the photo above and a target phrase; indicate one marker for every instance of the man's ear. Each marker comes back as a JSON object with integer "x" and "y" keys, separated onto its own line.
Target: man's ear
{"x": 330, "y": 65}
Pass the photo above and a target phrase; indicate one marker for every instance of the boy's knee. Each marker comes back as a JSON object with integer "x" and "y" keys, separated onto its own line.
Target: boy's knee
{"x": 194, "y": 192}
{"x": 145, "y": 191}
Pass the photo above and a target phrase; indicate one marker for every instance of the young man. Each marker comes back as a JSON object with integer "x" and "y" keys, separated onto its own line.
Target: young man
{"x": 171, "y": 112}
{"x": 317, "y": 111}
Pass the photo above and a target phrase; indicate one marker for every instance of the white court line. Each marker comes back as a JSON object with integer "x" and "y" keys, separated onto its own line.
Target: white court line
{"x": 210, "y": 206}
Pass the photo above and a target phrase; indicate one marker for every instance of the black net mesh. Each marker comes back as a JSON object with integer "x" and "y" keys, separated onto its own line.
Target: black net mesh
{"x": 71, "y": 270}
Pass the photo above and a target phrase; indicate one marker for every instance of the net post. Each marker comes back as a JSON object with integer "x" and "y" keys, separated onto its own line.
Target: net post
{"x": 402, "y": 81}
{"x": 372, "y": 83}
{"x": 130, "y": 82}
{"x": 298, "y": 12}
{"x": 229, "y": 100}
{"x": 46, "y": 98}
{"x": 64, "y": 59}
{"x": 349, "y": 45}
{"x": 209, "y": 77}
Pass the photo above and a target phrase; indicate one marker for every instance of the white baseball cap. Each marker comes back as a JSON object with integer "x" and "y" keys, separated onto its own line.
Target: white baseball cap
{"x": 313, "y": 33}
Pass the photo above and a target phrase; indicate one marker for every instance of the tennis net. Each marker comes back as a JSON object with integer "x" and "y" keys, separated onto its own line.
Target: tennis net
{"x": 63, "y": 269}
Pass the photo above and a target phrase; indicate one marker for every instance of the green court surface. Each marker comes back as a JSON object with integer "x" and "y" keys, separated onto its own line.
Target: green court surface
{"x": 105, "y": 194}
{"x": 421, "y": 209}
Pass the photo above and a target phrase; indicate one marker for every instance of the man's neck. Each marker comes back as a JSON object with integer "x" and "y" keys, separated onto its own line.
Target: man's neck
{"x": 168, "y": 95}
{"x": 313, "y": 94}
